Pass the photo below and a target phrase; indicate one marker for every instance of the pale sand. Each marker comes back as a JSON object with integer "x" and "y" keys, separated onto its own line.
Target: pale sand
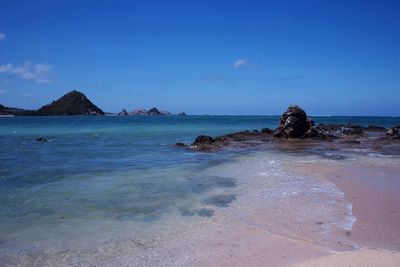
{"x": 373, "y": 187}
{"x": 374, "y": 190}
{"x": 362, "y": 258}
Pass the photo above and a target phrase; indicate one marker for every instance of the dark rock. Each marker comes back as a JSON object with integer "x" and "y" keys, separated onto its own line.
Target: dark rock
{"x": 293, "y": 124}
{"x": 393, "y": 133}
{"x": 154, "y": 112}
{"x": 182, "y": 114}
{"x": 314, "y": 133}
{"x": 266, "y": 130}
{"x": 73, "y": 103}
{"x": 352, "y": 130}
{"x": 123, "y": 113}
{"x": 138, "y": 112}
{"x": 164, "y": 112}
{"x": 375, "y": 128}
{"x": 203, "y": 140}
{"x": 41, "y": 139}
{"x": 255, "y": 131}
{"x": 180, "y": 145}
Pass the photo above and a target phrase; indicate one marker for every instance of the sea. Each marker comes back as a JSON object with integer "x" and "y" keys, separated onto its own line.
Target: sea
{"x": 115, "y": 188}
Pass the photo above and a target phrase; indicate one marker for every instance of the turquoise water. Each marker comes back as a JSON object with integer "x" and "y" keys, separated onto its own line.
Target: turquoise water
{"x": 98, "y": 173}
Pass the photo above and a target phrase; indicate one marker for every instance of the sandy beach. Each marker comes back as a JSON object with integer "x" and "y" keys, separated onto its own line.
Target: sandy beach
{"x": 372, "y": 186}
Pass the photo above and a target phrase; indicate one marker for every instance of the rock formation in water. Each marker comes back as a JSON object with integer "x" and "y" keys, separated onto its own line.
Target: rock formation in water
{"x": 154, "y": 112}
{"x": 295, "y": 128}
{"x": 123, "y": 113}
{"x": 394, "y": 132}
{"x": 73, "y": 103}
{"x": 294, "y": 123}
{"x": 143, "y": 112}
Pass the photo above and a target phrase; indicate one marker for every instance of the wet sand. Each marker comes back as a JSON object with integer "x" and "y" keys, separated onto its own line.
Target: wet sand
{"x": 373, "y": 187}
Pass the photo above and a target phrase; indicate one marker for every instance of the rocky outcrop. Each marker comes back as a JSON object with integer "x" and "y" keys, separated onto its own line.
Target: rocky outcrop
{"x": 181, "y": 114}
{"x": 293, "y": 124}
{"x": 394, "y": 132}
{"x": 138, "y": 112}
{"x": 150, "y": 112}
{"x": 154, "y": 112}
{"x": 267, "y": 130}
{"x": 123, "y": 113}
{"x": 375, "y": 128}
{"x": 297, "y": 130}
{"x": 73, "y": 103}
{"x": 203, "y": 140}
{"x": 336, "y": 130}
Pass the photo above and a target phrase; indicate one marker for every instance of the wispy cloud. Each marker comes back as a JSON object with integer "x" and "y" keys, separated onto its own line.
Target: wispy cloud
{"x": 291, "y": 78}
{"x": 212, "y": 78}
{"x": 2, "y": 36}
{"x": 241, "y": 63}
{"x": 244, "y": 63}
{"x": 27, "y": 71}
{"x": 26, "y": 95}
{"x": 2, "y": 91}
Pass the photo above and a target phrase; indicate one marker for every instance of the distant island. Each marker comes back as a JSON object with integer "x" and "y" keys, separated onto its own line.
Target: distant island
{"x": 150, "y": 112}
{"x": 75, "y": 103}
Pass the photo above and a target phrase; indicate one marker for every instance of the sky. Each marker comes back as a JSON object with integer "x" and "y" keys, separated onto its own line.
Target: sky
{"x": 204, "y": 57}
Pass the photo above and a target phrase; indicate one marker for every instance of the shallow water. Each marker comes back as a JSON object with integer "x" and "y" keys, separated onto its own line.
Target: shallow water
{"x": 102, "y": 180}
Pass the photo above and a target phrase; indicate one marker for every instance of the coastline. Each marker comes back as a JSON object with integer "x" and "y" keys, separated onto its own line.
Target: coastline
{"x": 372, "y": 188}
{"x": 375, "y": 231}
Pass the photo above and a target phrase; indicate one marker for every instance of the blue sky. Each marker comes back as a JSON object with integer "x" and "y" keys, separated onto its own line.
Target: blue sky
{"x": 214, "y": 57}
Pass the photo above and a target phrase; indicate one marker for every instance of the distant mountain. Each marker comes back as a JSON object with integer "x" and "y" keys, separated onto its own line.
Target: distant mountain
{"x": 8, "y": 111}
{"x": 73, "y": 103}
{"x": 144, "y": 112}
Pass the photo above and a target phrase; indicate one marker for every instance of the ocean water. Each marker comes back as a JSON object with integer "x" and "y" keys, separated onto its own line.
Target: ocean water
{"x": 101, "y": 181}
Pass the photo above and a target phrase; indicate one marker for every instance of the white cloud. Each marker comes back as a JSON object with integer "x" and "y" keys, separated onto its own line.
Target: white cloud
{"x": 27, "y": 71}
{"x": 241, "y": 63}
{"x": 244, "y": 63}
{"x": 2, "y": 36}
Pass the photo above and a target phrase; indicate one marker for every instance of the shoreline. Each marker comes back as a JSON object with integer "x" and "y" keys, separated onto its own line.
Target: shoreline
{"x": 373, "y": 189}
{"x": 227, "y": 239}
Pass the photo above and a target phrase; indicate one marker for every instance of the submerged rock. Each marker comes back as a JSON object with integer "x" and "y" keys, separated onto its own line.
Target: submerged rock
{"x": 220, "y": 200}
{"x": 294, "y": 123}
{"x": 40, "y": 139}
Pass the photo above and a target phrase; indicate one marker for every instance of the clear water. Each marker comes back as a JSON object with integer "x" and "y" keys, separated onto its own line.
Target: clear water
{"x": 100, "y": 179}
